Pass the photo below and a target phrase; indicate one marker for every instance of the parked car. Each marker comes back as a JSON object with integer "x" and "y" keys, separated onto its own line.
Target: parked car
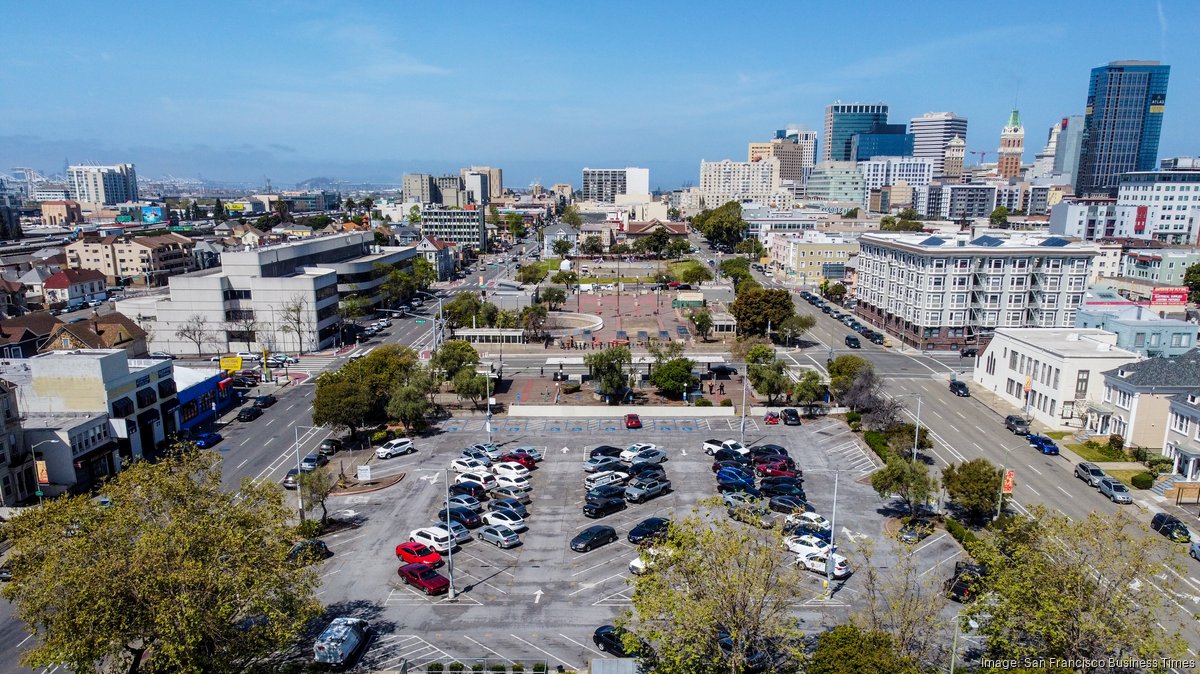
{"x": 601, "y": 463}
{"x": 1171, "y": 527}
{"x": 960, "y": 389}
{"x": 713, "y": 446}
{"x": 523, "y": 460}
{"x": 767, "y": 449}
{"x": 313, "y": 461}
{"x": 774, "y": 469}
{"x": 161, "y": 355}
{"x": 1089, "y": 473}
{"x": 632, "y": 450}
{"x": 1017, "y": 425}
{"x": 632, "y": 421}
{"x": 597, "y": 508}
{"x": 464, "y": 465}
{"x": 292, "y": 479}
{"x": 643, "y": 470}
{"x": 479, "y": 455}
{"x": 611, "y": 639}
{"x": 811, "y": 518}
{"x": 790, "y": 417}
{"x": 606, "y": 450}
{"x": 206, "y": 440}
{"x": 645, "y": 489}
{"x": 593, "y": 537}
{"x": 493, "y": 452}
{"x": 510, "y": 469}
{"x": 464, "y": 516}
{"x": 771, "y": 418}
{"x": 265, "y": 401}
{"x": 499, "y": 535}
{"x": 456, "y": 530}
{"x": 654, "y": 528}
{"x": 805, "y": 543}
{"x": 397, "y": 447}
{"x": 962, "y": 585}
{"x": 852, "y": 342}
{"x": 483, "y": 478}
{"x": 754, "y": 515}
{"x": 505, "y": 518}
{"x": 472, "y": 489}
{"x": 465, "y": 501}
{"x": 520, "y": 494}
{"x": 513, "y": 482}
{"x": 735, "y": 473}
{"x": 531, "y": 452}
{"x": 725, "y": 486}
{"x": 770, "y": 489}
{"x": 731, "y": 455}
{"x": 308, "y": 551}
{"x": 418, "y": 553}
{"x": 505, "y": 503}
{"x": 915, "y": 530}
{"x": 608, "y": 477}
{"x": 424, "y": 578}
{"x": 330, "y": 446}
{"x": 249, "y": 414}
{"x": 788, "y": 505}
{"x": 817, "y": 563}
{"x": 1115, "y": 490}
{"x": 341, "y": 641}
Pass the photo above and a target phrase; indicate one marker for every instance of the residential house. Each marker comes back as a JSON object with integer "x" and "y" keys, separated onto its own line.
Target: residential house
{"x": 12, "y": 298}
{"x": 23, "y": 336}
{"x": 74, "y": 286}
{"x": 144, "y": 260}
{"x": 291, "y": 230}
{"x": 33, "y": 280}
{"x": 636, "y": 230}
{"x": 108, "y": 331}
{"x": 1137, "y": 398}
{"x": 556, "y": 232}
{"x": 439, "y": 253}
{"x": 245, "y": 235}
{"x": 207, "y": 254}
{"x": 18, "y": 481}
{"x": 1182, "y": 441}
{"x": 606, "y": 231}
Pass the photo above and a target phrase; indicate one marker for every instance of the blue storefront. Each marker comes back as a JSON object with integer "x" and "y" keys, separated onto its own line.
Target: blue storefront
{"x": 204, "y": 394}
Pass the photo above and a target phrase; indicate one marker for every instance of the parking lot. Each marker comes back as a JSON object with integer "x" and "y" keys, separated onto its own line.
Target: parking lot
{"x": 540, "y": 601}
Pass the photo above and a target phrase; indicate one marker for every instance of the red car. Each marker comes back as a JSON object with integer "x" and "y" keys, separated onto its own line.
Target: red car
{"x": 774, "y": 469}
{"x": 418, "y": 553}
{"x": 771, "y": 419}
{"x": 632, "y": 421}
{"x": 424, "y": 578}
{"x": 673, "y": 284}
{"x": 523, "y": 459}
{"x": 775, "y": 458}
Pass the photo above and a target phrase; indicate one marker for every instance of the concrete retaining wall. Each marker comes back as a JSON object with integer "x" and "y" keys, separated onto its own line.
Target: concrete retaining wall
{"x": 606, "y": 411}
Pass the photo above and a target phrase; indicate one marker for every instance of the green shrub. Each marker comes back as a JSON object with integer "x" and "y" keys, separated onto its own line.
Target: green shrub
{"x": 1159, "y": 464}
{"x": 539, "y": 668}
{"x": 704, "y": 402}
{"x": 380, "y": 437}
{"x": 878, "y": 442}
{"x": 727, "y": 403}
{"x": 1142, "y": 480}
{"x": 1116, "y": 443}
{"x": 309, "y": 529}
{"x": 477, "y": 667}
{"x": 963, "y": 535}
{"x": 499, "y": 668}
{"x": 855, "y": 426}
{"x": 518, "y": 668}
{"x": 853, "y": 417}
{"x": 570, "y": 388}
{"x": 456, "y": 666}
{"x": 434, "y": 668}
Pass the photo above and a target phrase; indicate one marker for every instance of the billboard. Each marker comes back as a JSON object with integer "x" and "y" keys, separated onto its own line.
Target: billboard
{"x": 1173, "y": 296}
{"x": 235, "y": 207}
{"x": 231, "y": 363}
{"x": 152, "y": 215}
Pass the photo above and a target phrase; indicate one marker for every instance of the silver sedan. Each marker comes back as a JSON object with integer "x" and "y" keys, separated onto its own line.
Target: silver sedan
{"x": 653, "y": 455}
{"x": 499, "y": 536}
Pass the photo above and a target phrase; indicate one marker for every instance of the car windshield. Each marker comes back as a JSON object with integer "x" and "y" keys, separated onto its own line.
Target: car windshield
{"x": 428, "y": 574}
{"x": 1095, "y": 471}
{"x": 1118, "y": 487}
{"x": 419, "y": 550}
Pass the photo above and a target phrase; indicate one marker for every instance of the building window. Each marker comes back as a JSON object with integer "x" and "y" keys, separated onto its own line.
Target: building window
{"x": 1124, "y": 399}
{"x": 1068, "y": 409}
{"x": 1179, "y": 423}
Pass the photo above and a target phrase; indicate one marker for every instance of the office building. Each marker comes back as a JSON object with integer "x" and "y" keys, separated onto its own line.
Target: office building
{"x": 1043, "y": 161}
{"x": 61, "y": 213}
{"x": 793, "y": 158}
{"x": 882, "y": 140}
{"x": 1162, "y": 205}
{"x": 1122, "y": 123}
{"x": 842, "y": 121}
{"x": 449, "y": 191}
{"x": 98, "y": 186}
{"x": 478, "y": 188}
{"x": 495, "y": 179}
{"x": 605, "y": 185}
{"x": 960, "y": 201}
{"x": 419, "y": 187}
{"x": 142, "y": 260}
{"x": 1087, "y": 218}
{"x": 1049, "y": 374}
{"x": 952, "y": 160}
{"x": 1136, "y": 400}
{"x": 1067, "y": 149}
{"x": 1012, "y": 147}
{"x": 462, "y": 226}
{"x": 725, "y": 181}
{"x": 837, "y": 181}
{"x": 937, "y": 292}
{"x": 913, "y": 172}
{"x": 931, "y": 134}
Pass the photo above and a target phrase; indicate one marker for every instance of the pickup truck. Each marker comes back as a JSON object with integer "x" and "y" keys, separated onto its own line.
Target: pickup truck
{"x": 712, "y": 446}
{"x": 646, "y": 489}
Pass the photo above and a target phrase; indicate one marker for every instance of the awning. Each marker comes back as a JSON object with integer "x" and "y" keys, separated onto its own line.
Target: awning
{"x": 225, "y": 383}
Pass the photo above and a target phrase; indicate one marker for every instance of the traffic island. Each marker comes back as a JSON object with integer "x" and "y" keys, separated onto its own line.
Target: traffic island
{"x": 353, "y": 486}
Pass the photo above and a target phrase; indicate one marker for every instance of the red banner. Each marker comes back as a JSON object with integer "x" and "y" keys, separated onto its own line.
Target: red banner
{"x": 1010, "y": 479}
{"x": 1139, "y": 223}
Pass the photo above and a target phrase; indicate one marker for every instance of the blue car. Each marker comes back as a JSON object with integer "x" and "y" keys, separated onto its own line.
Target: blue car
{"x": 735, "y": 474}
{"x": 206, "y": 440}
{"x": 744, "y": 486}
{"x": 1043, "y": 444}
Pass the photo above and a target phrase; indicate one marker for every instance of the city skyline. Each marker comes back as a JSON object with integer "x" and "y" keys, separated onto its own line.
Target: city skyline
{"x": 360, "y": 93}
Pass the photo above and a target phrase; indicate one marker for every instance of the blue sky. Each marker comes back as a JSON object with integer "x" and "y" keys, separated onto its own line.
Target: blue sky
{"x": 363, "y": 90}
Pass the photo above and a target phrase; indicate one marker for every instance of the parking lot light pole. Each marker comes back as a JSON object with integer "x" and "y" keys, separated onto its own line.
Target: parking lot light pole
{"x": 829, "y": 563}
{"x": 745, "y": 381}
{"x": 917, "y": 429}
{"x": 451, "y": 595}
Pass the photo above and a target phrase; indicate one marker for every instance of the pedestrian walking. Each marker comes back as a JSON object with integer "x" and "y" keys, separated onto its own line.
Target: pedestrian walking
{"x": 710, "y": 388}
{"x": 722, "y": 389}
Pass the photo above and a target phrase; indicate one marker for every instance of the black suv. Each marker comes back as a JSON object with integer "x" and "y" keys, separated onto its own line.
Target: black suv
{"x": 790, "y": 417}
{"x": 960, "y": 389}
{"x": 249, "y": 414}
{"x": 1170, "y": 526}
{"x": 968, "y": 353}
{"x": 962, "y": 586}
{"x": 600, "y": 508}
{"x": 265, "y": 401}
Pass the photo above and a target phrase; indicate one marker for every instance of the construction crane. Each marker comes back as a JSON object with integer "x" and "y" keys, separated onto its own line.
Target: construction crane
{"x": 982, "y": 155}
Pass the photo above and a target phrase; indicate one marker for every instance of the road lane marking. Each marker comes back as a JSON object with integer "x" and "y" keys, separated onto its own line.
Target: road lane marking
{"x": 1062, "y": 490}
{"x": 1033, "y": 490}
{"x": 244, "y": 462}
{"x": 1035, "y": 470}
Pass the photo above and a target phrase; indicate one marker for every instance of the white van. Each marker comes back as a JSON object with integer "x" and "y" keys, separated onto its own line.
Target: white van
{"x": 340, "y": 641}
{"x": 603, "y": 478}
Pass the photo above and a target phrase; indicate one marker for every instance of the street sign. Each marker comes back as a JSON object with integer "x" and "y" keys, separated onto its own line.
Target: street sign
{"x": 1009, "y": 481}
{"x": 231, "y": 363}
{"x": 364, "y": 473}
{"x": 420, "y": 321}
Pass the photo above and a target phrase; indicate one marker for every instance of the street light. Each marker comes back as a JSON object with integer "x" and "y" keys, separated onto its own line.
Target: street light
{"x": 438, "y": 321}
{"x": 299, "y": 489}
{"x": 32, "y": 451}
{"x": 450, "y": 537}
{"x": 745, "y": 381}
{"x": 917, "y": 428}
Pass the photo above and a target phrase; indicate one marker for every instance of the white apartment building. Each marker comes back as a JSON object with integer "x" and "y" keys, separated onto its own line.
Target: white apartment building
{"x": 1087, "y": 218}
{"x": 726, "y": 180}
{"x": 1160, "y": 205}
{"x": 1183, "y": 437}
{"x": 915, "y": 172}
{"x": 1050, "y": 374}
{"x": 465, "y": 227}
{"x": 102, "y": 185}
{"x": 932, "y": 132}
{"x": 961, "y": 201}
{"x": 938, "y": 292}
{"x": 604, "y": 185}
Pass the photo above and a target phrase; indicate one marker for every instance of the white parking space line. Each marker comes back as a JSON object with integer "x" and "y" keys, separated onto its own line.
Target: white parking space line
{"x": 487, "y": 648}
{"x": 935, "y": 566}
{"x": 1062, "y": 490}
{"x": 588, "y": 586}
{"x": 553, "y": 656}
{"x": 594, "y": 566}
{"x": 580, "y": 645}
{"x": 1033, "y": 490}
{"x": 930, "y": 542}
{"x": 481, "y": 580}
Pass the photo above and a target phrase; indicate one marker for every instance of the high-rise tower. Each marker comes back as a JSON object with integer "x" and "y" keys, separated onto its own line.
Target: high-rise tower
{"x": 932, "y": 132}
{"x": 1122, "y": 123}
{"x": 842, "y": 121}
{"x": 1012, "y": 147}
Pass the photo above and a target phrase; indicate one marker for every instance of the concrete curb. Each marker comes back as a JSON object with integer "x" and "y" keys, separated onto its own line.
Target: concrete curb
{"x": 384, "y": 485}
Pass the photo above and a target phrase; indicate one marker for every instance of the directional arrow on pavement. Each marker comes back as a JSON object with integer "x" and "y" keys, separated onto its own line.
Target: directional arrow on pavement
{"x": 537, "y": 596}
{"x": 565, "y": 450}
{"x": 852, "y": 535}
{"x": 683, "y": 452}
{"x": 432, "y": 477}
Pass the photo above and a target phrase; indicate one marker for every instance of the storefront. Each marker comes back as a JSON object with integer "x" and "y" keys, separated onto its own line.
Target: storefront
{"x": 204, "y": 394}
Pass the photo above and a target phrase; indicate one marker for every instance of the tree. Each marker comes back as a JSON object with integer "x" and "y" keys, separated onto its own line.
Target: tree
{"x": 619, "y": 248}
{"x": 674, "y": 377}
{"x": 423, "y": 273}
{"x": 664, "y": 351}
{"x": 795, "y": 325}
{"x": 470, "y": 386}
{"x": 570, "y": 215}
{"x": 881, "y": 413}
{"x": 909, "y": 480}
{"x": 836, "y": 292}
{"x": 751, "y": 248}
{"x": 654, "y": 242}
{"x": 566, "y": 278}
{"x": 680, "y": 607}
{"x": 847, "y": 649}
{"x": 515, "y": 223}
{"x": 531, "y": 274}
{"x": 722, "y": 226}
{"x": 350, "y": 205}
{"x": 901, "y": 226}
{"x": 1075, "y": 589}
{"x": 695, "y": 273}
{"x": 294, "y": 320}
{"x": 1191, "y": 279}
{"x": 757, "y": 308}
{"x": 561, "y": 247}
{"x": 909, "y": 214}
{"x": 315, "y": 487}
{"x": 904, "y": 602}
{"x": 342, "y": 402}
{"x": 702, "y": 321}
{"x": 850, "y": 214}
{"x": 607, "y": 367}
{"x": 455, "y": 356}
{"x": 591, "y": 245}
{"x": 533, "y": 319}
{"x": 460, "y": 310}
{"x": 244, "y": 325}
{"x": 397, "y": 286}
{"x": 864, "y": 394}
{"x": 507, "y": 318}
{"x": 554, "y": 297}
{"x": 974, "y": 486}
{"x": 768, "y": 380}
{"x": 760, "y": 354}
{"x": 999, "y": 216}
{"x": 195, "y": 330}
{"x": 414, "y": 215}
{"x": 408, "y": 405}
{"x": 734, "y": 266}
{"x": 677, "y": 248}
{"x": 219, "y": 211}
{"x": 843, "y": 370}
{"x": 353, "y": 308}
{"x": 808, "y": 389}
{"x": 493, "y": 216}
{"x": 165, "y": 579}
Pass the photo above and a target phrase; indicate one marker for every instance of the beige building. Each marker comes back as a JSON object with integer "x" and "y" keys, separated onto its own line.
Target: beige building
{"x": 495, "y": 178}
{"x": 793, "y": 157}
{"x": 146, "y": 260}
{"x": 563, "y": 190}
{"x": 18, "y": 482}
{"x": 58, "y": 213}
{"x": 811, "y": 257}
{"x": 1137, "y": 398}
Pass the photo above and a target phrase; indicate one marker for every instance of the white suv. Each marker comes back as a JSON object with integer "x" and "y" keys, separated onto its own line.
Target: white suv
{"x": 249, "y": 355}
{"x": 437, "y": 539}
{"x": 395, "y": 447}
{"x": 486, "y": 480}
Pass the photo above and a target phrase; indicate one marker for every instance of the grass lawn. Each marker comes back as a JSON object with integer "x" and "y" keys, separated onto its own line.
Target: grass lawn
{"x": 677, "y": 268}
{"x": 551, "y": 265}
{"x": 1094, "y": 454}
{"x": 1059, "y": 435}
{"x": 1125, "y": 476}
